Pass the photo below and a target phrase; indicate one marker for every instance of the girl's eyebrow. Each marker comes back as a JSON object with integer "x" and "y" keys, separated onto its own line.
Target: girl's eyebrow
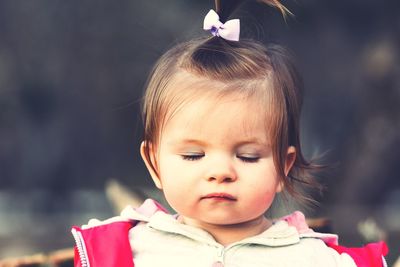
{"x": 253, "y": 141}
{"x": 187, "y": 142}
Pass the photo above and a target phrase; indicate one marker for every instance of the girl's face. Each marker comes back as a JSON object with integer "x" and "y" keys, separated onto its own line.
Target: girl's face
{"x": 214, "y": 162}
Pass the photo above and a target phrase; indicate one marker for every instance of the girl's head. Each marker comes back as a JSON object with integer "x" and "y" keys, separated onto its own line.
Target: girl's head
{"x": 215, "y": 69}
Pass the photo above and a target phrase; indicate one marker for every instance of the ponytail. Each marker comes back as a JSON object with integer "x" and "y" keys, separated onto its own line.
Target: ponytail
{"x": 225, "y": 8}
{"x": 277, "y": 4}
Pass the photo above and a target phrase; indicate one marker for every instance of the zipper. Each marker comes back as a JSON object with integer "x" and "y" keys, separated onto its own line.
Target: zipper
{"x": 81, "y": 247}
{"x": 219, "y": 262}
{"x": 384, "y": 262}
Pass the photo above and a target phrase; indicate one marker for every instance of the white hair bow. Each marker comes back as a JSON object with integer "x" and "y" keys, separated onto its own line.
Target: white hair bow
{"x": 229, "y": 30}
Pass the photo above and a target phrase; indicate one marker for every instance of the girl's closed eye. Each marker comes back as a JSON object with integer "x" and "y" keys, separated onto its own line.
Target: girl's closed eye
{"x": 192, "y": 156}
{"x": 248, "y": 158}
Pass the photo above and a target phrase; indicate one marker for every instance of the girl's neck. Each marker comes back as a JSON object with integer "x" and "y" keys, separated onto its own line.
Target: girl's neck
{"x": 228, "y": 234}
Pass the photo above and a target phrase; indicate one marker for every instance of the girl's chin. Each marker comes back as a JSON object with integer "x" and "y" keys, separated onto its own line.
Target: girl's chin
{"x": 217, "y": 222}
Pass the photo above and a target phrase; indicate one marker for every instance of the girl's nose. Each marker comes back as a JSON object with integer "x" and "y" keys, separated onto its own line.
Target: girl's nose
{"x": 222, "y": 172}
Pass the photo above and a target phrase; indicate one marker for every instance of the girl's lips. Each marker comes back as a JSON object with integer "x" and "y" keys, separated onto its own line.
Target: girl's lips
{"x": 219, "y": 196}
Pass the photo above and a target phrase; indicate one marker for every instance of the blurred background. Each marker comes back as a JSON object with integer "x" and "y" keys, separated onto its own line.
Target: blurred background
{"x": 71, "y": 78}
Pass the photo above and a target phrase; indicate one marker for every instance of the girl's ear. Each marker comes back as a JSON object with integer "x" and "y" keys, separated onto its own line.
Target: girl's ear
{"x": 290, "y": 159}
{"x": 150, "y": 162}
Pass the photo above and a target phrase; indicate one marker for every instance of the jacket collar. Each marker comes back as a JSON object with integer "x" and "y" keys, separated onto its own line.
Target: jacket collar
{"x": 279, "y": 234}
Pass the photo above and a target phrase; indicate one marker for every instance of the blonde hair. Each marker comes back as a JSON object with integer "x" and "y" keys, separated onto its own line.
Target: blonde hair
{"x": 246, "y": 67}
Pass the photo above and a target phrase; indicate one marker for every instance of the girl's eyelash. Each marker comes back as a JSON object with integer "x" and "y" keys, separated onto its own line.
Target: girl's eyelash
{"x": 248, "y": 159}
{"x": 192, "y": 157}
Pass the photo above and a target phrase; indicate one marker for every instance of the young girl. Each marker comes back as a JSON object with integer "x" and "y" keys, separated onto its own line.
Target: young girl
{"x": 221, "y": 139}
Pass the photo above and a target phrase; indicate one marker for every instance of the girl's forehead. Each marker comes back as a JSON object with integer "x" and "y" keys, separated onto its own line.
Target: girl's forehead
{"x": 196, "y": 102}
{"x": 185, "y": 87}
{"x": 227, "y": 117}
